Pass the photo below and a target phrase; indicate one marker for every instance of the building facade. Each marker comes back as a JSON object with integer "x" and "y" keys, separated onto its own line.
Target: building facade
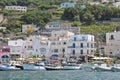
{"x": 16, "y": 8}
{"x": 81, "y": 45}
{"x": 112, "y": 47}
{"x": 59, "y": 41}
{"x": 4, "y": 54}
{"x": 67, "y": 5}
{"x": 16, "y": 48}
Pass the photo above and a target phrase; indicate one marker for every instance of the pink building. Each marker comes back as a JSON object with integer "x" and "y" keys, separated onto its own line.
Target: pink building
{"x": 4, "y": 54}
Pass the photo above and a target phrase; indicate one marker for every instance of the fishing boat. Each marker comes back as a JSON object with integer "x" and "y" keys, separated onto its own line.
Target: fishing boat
{"x": 8, "y": 68}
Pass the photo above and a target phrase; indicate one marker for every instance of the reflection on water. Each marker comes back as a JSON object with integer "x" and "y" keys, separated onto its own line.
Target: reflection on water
{"x": 58, "y": 75}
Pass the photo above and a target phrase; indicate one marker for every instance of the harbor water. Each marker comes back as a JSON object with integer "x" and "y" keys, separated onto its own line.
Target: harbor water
{"x": 58, "y": 75}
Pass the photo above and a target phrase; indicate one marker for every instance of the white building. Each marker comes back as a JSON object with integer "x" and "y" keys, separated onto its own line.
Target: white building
{"x": 59, "y": 41}
{"x": 112, "y": 47}
{"x": 37, "y": 46}
{"x": 17, "y": 8}
{"x": 16, "y": 48}
{"x": 81, "y": 45}
{"x": 117, "y": 4}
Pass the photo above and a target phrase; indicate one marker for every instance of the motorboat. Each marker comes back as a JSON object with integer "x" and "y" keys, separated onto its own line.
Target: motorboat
{"x": 53, "y": 67}
{"x": 116, "y": 68}
{"x": 8, "y": 68}
{"x": 103, "y": 67}
{"x": 72, "y": 67}
{"x": 33, "y": 67}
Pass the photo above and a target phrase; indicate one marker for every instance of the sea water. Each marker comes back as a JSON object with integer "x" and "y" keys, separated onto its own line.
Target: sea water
{"x": 58, "y": 75}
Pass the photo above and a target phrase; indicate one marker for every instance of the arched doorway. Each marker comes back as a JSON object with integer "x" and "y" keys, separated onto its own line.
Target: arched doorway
{"x": 5, "y": 58}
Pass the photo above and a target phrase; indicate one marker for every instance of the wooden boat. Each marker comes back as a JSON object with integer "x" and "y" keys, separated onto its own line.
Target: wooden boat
{"x": 8, "y": 68}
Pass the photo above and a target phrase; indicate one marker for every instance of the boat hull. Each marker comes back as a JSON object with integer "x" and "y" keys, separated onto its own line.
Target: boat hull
{"x": 88, "y": 69}
{"x": 115, "y": 69}
{"x": 99, "y": 69}
{"x": 53, "y": 68}
{"x": 9, "y": 68}
{"x": 28, "y": 67}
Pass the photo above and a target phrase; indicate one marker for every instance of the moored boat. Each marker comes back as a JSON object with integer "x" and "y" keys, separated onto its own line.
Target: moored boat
{"x": 72, "y": 67}
{"x": 103, "y": 67}
{"x": 115, "y": 69}
{"x": 53, "y": 67}
{"x": 30, "y": 67}
{"x": 8, "y": 68}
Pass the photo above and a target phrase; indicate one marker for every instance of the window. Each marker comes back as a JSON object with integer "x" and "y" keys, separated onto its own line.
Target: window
{"x": 74, "y": 38}
{"x": 110, "y": 52}
{"x": 111, "y": 37}
{"x": 81, "y": 52}
{"x": 83, "y": 38}
{"x": 73, "y": 52}
{"x": 87, "y": 51}
{"x": 91, "y": 45}
{"x": 81, "y": 45}
{"x": 73, "y": 45}
{"x": 87, "y": 44}
{"x": 64, "y": 43}
{"x": 63, "y": 50}
{"x": 55, "y": 50}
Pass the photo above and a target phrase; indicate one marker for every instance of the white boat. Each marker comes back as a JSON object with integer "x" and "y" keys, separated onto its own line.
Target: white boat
{"x": 72, "y": 67}
{"x": 53, "y": 67}
{"x": 32, "y": 67}
{"x": 103, "y": 67}
{"x": 116, "y": 68}
{"x": 88, "y": 68}
{"x": 8, "y": 68}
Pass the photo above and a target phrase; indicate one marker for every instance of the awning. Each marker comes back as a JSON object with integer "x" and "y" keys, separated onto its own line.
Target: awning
{"x": 101, "y": 58}
{"x": 54, "y": 55}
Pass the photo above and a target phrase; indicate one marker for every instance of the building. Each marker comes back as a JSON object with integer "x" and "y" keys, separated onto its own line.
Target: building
{"x": 59, "y": 41}
{"x": 57, "y": 26}
{"x": 4, "y": 54}
{"x": 29, "y": 26}
{"x": 36, "y": 46}
{"x": 67, "y": 5}
{"x": 81, "y": 45}
{"x": 16, "y": 8}
{"x": 16, "y": 48}
{"x": 117, "y": 4}
{"x": 112, "y": 47}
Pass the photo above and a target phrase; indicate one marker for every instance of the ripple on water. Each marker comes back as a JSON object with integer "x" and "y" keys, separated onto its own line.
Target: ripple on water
{"x": 58, "y": 75}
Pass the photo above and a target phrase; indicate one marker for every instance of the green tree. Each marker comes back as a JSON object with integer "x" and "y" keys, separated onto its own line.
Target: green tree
{"x": 75, "y": 24}
{"x": 88, "y": 18}
{"x": 69, "y": 14}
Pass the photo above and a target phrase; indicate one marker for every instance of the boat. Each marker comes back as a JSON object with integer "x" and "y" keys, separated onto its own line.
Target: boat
{"x": 88, "y": 68}
{"x": 8, "y": 68}
{"x": 116, "y": 68}
{"x": 103, "y": 67}
{"x": 72, "y": 67}
{"x": 33, "y": 67}
{"x": 53, "y": 67}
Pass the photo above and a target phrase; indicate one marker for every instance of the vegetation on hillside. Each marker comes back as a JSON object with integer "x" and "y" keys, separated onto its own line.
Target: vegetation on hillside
{"x": 40, "y": 12}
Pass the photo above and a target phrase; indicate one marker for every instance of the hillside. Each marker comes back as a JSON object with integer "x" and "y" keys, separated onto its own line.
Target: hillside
{"x": 40, "y": 12}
